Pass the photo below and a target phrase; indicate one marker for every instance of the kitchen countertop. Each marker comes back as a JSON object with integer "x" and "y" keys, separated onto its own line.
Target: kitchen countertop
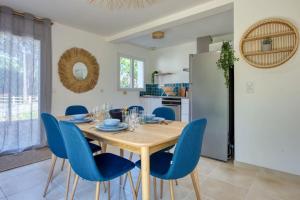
{"x": 152, "y": 96}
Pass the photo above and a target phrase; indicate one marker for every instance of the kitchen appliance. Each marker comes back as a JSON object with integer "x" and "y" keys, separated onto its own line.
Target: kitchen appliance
{"x": 210, "y": 99}
{"x": 174, "y": 104}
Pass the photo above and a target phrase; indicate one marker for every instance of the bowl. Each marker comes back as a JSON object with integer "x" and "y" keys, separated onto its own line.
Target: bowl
{"x": 149, "y": 117}
{"x": 79, "y": 116}
{"x": 111, "y": 122}
{"x": 116, "y": 114}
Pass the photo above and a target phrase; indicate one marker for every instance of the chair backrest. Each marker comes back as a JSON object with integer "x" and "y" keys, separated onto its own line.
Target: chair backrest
{"x": 79, "y": 152}
{"x": 165, "y": 112}
{"x": 188, "y": 150}
{"x": 76, "y": 109}
{"x": 54, "y": 136}
{"x": 138, "y": 108}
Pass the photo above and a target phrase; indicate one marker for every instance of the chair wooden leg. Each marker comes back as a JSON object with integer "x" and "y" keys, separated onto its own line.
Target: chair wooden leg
{"x": 68, "y": 181}
{"x": 171, "y": 190}
{"x": 155, "y": 188}
{"x": 62, "y": 165}
{"x": 176, "y": 182}
{"x": 161, "y": 188}
{"x": 196, "y": 184}
{"x": 122, "y": 155}
{"x": 53, "y": 161}
{"x": 108, "y": 188}
{"x": 105, "y": 189}
{"x": 126, "y": 176}
{"x": 132, "y": 186}
{"x": 74, "y": 186}
{"x": 138, "y": 183}
{"x": 104, "y": 147}
{"x": 97, "y": 191}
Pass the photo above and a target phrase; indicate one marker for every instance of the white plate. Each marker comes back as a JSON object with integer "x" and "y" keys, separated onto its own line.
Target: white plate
{"x": 79, "y": 121}
{"x": 121, "y": 127}
{"x": 155, "y": 120}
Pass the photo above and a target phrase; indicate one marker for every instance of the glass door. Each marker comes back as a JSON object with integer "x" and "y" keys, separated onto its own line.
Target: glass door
{"x": 19, "y": 93}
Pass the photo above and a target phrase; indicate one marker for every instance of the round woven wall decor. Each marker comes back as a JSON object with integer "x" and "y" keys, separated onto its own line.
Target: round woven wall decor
{"x": 269, "y": 43}
{"x": 65, "y": 70}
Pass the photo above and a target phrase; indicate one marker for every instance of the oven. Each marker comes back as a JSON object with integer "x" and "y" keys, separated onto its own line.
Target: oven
{"x": 174, "y": 104}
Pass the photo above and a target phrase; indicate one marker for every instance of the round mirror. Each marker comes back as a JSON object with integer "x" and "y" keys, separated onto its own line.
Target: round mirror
{"x": 80, "y": 71}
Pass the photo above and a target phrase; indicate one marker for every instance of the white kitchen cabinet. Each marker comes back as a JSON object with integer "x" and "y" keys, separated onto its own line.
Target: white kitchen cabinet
{"x": 185, "y": 110}
{"x": 150, "y": 104}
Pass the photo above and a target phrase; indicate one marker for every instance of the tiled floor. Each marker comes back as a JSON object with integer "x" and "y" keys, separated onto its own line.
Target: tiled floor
{"x": 219, "y": 181}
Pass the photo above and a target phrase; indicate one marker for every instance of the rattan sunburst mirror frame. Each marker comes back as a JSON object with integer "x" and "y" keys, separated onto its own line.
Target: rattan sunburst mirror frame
{"x": 285, "y": 41}
{"x": 65, "y": 70}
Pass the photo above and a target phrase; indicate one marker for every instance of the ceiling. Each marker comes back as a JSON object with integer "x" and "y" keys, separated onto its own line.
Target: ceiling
{"x": 96, "y": 18}
{"x": 214, "y": 25}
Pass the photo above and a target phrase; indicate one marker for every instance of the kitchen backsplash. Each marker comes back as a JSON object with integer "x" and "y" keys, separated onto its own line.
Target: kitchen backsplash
{"x": 156, "y": 90}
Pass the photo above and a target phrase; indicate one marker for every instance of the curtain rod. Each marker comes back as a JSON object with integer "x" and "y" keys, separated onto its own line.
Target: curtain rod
{"x": 21, "y": 14}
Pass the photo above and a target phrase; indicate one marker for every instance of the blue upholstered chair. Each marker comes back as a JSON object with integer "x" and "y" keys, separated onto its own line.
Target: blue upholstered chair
{"x": 99, "y": 168}
{"x": 138, "y": 108}
{"x": 57, "y": 146}
{"x": 76, "y": 109}
{"x": 164, "y": 112}
{"x": 168, "y": 166}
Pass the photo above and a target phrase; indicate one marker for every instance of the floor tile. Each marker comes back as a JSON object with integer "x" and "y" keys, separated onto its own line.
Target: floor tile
{"x": 2, "y": 196}
{"x": 206, "y": 166}
{"x": 36, "y": 193}
{"x": 220, "y": 190}
{"x": 255, "y": 193}
{"x": 237, "y": 176}
{"x": 277, "y": 188}
{"x": 15, "y": 184}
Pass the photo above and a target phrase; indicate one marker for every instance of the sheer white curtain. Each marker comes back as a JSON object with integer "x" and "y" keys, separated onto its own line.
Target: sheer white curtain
{"x": 24, "y": 59}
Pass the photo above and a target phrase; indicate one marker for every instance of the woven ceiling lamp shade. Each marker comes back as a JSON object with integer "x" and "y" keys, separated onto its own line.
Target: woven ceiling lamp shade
{"x": 117, "y": 4}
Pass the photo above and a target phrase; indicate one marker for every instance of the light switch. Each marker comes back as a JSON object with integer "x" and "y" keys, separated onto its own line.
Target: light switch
{"x": 250, "y": 87}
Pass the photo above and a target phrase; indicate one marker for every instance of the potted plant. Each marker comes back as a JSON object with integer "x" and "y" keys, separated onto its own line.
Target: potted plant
{"x": 226, "y": 61}
{"x": 266, "y": 44}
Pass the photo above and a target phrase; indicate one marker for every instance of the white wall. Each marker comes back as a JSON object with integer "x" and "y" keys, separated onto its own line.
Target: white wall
{"x": 173, "y": 59}
{"x": 63, "y": 38}
{"x": 267, "y": 131}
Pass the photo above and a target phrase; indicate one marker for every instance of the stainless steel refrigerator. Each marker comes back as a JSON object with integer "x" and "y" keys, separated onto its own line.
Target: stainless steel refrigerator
{"x": 210, "y": 99}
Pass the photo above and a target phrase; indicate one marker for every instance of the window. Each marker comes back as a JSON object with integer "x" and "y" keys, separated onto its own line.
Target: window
{"x": 131, "y": 74}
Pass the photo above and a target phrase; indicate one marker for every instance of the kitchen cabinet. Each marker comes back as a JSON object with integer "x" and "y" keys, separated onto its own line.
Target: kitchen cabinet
{"x": 150, "y": 104}
{"x": 185, "y": 110}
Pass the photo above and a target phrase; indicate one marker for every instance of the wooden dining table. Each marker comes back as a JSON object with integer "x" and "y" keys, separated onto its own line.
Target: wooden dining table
{"x": 144, "y": 140}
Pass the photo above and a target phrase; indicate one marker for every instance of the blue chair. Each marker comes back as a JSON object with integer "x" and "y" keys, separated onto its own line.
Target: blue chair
{"x": 164, "y": 112}
{"x": 138, "y": 108}
{"x": 168, "y": 166}
{"x": 99, "y": 168}
{"x": 57, "y": 146}
{"x": 76, "y": 109}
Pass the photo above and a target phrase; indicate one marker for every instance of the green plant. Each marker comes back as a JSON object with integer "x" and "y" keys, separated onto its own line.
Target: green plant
{"x": 153, "y": 75}
{"x": 226, "y": 60}
{"x": 267, "y": 41}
